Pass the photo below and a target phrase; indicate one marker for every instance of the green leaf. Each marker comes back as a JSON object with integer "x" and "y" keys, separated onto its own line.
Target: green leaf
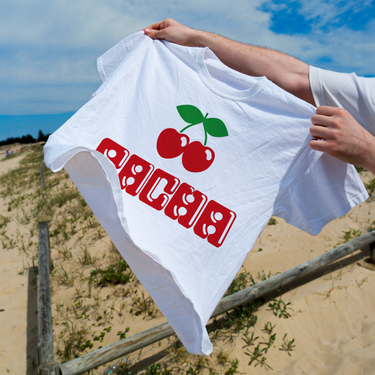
{"x": 215, "y": 127}
{"x": 190, "y": 114}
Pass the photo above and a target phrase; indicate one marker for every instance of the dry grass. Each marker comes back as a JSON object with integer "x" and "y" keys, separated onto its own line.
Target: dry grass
{"x": 97, "y": 300}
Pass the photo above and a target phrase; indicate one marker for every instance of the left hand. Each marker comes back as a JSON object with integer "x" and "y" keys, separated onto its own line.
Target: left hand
{"x": 174, "y": 32}
{"x": 337, "y": 133}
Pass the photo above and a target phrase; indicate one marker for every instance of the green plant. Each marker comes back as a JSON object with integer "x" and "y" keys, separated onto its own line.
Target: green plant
{"x": 272, "y": 221}
{"x": 240, "y": 282}
{"x": 117, "y": 273}
{"x": 74, "y": 342}
{"x": 370, "y": 186}
{"x": 144, "y": 305}
{"x": 262, "y": 362}
{"x": 85, "y": 258}
{"x": 371, "y": 227}
{"x": 351, "y": 234}
{"x": 192, "y": 371}
{"x": 4, "y": 220}
{"x": 123, "y": 334}
{"x": 63, "y": 278}
{"x": 256, "y": 354}
{"x": 360, "y": 169}
{"x": 240, "y": 318}
{"x": 263, "y": 276}
{"x": 280, "y": 308}
{"x": 249, "y": 340}
{"x": 268, "y": 327}
{"x": 287, "y": 345}
{"x": 271, "y": 340}
{"x": 222, "y": 357}
{"x": 360, "y": 283}
{"x": 64, "y": 252}
{"x": 156, "y": 369}
{"x": 233, "y": 368}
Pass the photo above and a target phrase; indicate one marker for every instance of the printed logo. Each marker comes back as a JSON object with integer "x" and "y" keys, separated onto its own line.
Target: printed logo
{"x": 166, "y": 193}
{"x": 196, "y": 157}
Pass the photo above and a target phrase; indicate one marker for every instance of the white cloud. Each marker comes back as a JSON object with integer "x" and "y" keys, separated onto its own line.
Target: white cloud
{"x": 49, "y": 49}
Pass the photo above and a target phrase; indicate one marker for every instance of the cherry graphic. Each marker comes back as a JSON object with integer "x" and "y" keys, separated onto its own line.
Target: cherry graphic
{"x": 171, "y": 143}
{"x": 197, "y": 158}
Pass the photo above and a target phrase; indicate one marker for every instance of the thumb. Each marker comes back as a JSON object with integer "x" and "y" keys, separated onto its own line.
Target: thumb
{"x": 155, "y": 34}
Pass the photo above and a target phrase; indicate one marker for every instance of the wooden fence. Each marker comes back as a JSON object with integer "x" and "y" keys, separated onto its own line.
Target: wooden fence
{"x": 87, "y": 362}
{"x": 128, "y": 345}
{"x": 46, "y": 361}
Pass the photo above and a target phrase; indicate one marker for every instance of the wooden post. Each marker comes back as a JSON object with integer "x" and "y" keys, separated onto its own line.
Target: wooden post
{"x": 149, "y": 336}
{"x": 49, "y": 369}
{"x": 372, "y": 253}
{"x": 42, "y": 185}
{"x": 46, "y": 361}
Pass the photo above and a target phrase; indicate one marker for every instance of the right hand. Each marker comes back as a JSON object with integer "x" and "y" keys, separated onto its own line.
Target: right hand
{"x": 172, "y": 31}
{"x": 336, "y": 132}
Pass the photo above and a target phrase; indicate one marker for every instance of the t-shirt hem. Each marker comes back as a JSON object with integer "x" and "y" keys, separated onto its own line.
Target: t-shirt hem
{"x": 204, "y": 347}
{"x": 341, "y": 211}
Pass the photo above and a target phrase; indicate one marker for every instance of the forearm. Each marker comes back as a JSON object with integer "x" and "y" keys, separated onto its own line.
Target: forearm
{"x": 285, "y": 71}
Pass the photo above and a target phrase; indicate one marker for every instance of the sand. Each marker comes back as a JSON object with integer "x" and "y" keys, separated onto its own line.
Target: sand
{"x": 331, "y": 320}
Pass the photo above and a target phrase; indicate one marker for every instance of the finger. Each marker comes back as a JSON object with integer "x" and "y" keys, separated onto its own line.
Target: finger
{"x": 326, "y": 111}
{"x": 318, "y": 145}
{"x": 320, "y": 132}
{"x": 156, "y": 34}
{"x": 320, "y": 120}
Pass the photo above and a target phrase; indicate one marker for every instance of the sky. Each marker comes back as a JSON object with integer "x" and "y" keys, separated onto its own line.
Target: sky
{"x": 49, "y": 48}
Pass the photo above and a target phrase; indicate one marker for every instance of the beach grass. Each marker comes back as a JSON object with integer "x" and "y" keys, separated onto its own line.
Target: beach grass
{"x": 97, "y": 299}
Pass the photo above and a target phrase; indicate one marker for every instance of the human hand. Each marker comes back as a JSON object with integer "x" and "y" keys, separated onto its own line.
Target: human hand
{"x": 337, "y": 133}
{"x": 172, "y": 31}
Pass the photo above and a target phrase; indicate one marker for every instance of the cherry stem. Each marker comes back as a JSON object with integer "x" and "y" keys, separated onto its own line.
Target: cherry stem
{"x": 187, "y": 127}
{"x": 205, "y": 133}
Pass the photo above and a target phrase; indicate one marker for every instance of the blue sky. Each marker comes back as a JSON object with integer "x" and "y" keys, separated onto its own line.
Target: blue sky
{"x": 49, "y": 48}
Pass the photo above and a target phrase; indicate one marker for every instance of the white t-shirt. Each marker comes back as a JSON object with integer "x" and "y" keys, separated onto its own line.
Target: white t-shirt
{"x": 185, "y": 215}
{"x": 355, "y": 94}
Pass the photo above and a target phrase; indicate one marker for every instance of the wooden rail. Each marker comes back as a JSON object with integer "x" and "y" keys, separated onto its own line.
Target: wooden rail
{"x": 46, "y": 361}
{"x": 120, "y": 348}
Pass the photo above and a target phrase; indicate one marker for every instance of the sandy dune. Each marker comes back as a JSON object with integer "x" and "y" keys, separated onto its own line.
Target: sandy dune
{"x": 332, "y": 318}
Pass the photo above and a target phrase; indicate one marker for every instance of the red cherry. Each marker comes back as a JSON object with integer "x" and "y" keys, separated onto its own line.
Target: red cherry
{"x": 171, "y": 143}
{"x": 196, "y": 157}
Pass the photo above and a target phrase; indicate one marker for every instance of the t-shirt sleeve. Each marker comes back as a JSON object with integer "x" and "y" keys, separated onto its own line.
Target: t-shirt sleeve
{"x": 355, "y": 94}
{"x": 111, "y": 60}
{"x": 317, "y": 189}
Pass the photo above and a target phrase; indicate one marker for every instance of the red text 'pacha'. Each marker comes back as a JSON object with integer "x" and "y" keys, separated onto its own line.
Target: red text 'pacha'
{"x": 179, "y": 201}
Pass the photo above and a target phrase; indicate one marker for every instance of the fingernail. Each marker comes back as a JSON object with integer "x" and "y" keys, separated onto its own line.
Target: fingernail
{"x": 147, "y": 31}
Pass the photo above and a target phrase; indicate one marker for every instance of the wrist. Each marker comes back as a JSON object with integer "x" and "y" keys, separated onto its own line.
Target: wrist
{"x": 199, "y": 38}
{"x": 370, "y": 154}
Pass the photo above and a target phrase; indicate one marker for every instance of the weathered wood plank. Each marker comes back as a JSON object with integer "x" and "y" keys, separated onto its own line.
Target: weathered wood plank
{"x": 372, "y": 253}
{"x": 120, "y": 348}
{"x": 250, "y": 294}
{"x": 45, "y": 337}
{"x": 117, "y": 349}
